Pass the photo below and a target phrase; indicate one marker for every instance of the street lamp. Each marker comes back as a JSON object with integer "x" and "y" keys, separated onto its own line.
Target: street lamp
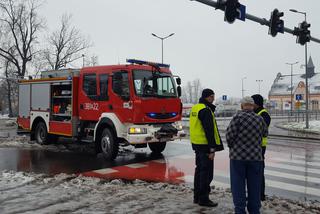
{"x": 291, "y": 87}
{"x": 162, "y": 38}
{"x": 306, "y": 55}
{"x": 259, "y": 82}
{"x": 243, "y": 78}
{"x": 82, "y": 59}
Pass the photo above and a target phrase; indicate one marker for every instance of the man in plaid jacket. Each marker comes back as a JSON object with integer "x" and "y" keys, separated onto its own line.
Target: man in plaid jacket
{"x": 244, "y": 136}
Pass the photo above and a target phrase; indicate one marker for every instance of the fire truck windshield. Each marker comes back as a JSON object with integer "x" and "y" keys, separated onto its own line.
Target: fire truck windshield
{"x": 153, "y": 84}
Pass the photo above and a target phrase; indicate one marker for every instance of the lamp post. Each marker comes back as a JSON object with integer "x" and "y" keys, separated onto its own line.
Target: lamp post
{"x": 259, "y": 82}
{"x": 291, "y": 86}
{"x": 82, "y": 59}
{"x": 243, "y": 78}
{"x": 162, "y": 38}
{"x": 306, "y": 78}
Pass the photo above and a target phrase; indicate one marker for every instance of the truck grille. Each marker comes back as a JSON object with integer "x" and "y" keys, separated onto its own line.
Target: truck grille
{"x": 162, "y": 115}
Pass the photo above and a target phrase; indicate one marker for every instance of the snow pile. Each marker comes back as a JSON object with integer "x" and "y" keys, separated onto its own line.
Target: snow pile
{"x": 38, "y": 193}
{"x": 314, "y": 126}
{"x": 10, "y": 123}
{"x": 4, "y": 116}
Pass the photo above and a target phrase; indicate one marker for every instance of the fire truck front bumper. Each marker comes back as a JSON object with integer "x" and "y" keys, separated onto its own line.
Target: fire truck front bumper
{"x": 140, "y": 134}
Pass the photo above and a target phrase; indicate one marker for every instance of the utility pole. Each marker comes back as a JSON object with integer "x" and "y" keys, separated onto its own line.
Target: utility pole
{"x": 242, "y": 89}
{"x": 291, "y": 86}
{"x": 306, "y": 74}
{"x": 259, "y": 82}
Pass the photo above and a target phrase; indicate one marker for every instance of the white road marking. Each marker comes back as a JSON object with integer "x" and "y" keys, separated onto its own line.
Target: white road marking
{"x": 296, "y": 168}
{"x": 105, "y": 171}
{"x": 136, "y": 165}
{"x": 297, "y": 161}
{"x": 292, "y": 176}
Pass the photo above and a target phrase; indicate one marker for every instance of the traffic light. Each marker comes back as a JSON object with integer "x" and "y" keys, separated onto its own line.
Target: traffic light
{"x": 303, "y": 33}
{"x": 276, "y": 24}
{"x": 232, "y": 10}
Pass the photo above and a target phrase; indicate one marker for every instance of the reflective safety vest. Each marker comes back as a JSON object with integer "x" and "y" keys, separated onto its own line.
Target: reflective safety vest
{"x": 197, "y": 133}
{"x": 264, "y": 139}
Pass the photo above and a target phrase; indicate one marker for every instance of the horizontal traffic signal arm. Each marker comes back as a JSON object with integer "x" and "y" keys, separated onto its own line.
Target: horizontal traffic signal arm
{"x": 261, "y": 21}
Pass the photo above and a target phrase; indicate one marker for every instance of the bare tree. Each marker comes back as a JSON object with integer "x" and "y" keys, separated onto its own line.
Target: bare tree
{"x": 66, "y": 45}
{"x": 92, "y": 60}
{"x": 192, "y": 91}
{"x": 197, "y": 90}
{"x": 20, "y": 23}
{"x": 184, "y": 96}
{"x": 189, "y": 91}
{"x": 9, "y": 87}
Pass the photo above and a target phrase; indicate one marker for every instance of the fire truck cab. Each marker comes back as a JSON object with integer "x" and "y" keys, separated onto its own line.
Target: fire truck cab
{"x": 132, "y": 104}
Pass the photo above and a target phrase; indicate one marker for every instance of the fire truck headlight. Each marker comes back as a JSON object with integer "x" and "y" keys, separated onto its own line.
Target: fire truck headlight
{"x": 136, "y": 130}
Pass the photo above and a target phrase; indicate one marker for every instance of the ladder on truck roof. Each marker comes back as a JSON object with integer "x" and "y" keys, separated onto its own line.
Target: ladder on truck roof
{"x": 60, "y": 73}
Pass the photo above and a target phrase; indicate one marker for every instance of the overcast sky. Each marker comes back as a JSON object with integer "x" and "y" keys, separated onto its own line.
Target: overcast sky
{"x": 204, "y": 46}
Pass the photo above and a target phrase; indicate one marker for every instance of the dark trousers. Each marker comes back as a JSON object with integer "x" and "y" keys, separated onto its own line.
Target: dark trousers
{"x": 203, "y": 176}
{"x": 246, "y": 174}
{"x": 263, "y": 184}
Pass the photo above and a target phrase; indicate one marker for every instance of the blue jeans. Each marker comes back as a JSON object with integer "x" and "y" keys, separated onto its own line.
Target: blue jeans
{"x": 203, "y": 176}
{"x": 242, "y": 174}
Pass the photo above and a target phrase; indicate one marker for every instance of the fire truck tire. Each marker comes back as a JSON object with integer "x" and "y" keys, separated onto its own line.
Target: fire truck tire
{"x": 157, "y": 148}
{"x": 108, "y": 145}
{"x": 41, "y": 133}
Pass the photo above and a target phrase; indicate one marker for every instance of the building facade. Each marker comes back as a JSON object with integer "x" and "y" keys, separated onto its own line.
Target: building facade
{"x": 288, "y": 90}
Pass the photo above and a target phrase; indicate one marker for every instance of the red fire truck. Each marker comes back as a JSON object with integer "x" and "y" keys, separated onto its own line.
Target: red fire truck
{"x": 136, "y": 103}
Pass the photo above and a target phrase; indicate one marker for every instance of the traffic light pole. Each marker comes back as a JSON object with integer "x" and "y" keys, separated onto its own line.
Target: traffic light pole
{"x": 253, "y": 18}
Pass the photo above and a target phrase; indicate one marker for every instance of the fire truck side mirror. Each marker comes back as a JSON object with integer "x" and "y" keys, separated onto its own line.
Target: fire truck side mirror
{"x": 178, "y": 80}
{"x": 179, "y": 91}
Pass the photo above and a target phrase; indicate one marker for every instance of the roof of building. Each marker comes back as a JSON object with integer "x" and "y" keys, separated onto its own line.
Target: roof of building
{"x": 282, "y": 83}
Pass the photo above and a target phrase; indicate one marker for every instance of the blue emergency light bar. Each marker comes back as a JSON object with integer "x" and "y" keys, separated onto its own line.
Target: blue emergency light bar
{"x": 141, "y": 62}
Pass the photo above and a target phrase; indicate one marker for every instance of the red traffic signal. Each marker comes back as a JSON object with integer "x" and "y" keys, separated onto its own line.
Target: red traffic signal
{"x": 276, "y": 24}
{"x": 303, "y": 33}
{"x": 232, "y": 10}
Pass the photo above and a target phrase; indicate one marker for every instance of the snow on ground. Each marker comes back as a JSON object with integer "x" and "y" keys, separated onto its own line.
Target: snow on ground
{"x": 314, "y": 126}
{"x": 4, "y": 116}
{"x": 38, "y": 193}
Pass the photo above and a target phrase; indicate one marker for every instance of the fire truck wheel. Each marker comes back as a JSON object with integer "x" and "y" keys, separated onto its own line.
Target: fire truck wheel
{"x": 109, "y": 146}
{"x": 157, "y": 147}
{"x": 41, "y": 133}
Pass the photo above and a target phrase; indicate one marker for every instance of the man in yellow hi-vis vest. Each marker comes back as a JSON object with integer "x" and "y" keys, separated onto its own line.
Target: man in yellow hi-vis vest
{"x": 205, "y": 140}
{"x": 258, "y": 101}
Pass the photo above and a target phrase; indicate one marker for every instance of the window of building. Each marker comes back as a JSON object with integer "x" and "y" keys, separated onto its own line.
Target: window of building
{"x": 317, "y": 87}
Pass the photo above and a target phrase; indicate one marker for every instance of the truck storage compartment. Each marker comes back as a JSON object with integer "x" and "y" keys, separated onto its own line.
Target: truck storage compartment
{"x": 61, "y": 102}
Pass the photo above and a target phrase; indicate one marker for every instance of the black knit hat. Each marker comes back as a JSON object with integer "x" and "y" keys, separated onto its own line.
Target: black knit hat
{"x": 258, "y": 99}
{"x": 206, "y": 93}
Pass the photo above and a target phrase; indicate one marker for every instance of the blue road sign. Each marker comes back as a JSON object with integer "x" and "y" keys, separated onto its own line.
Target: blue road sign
{"x": 298, "y": 96}
{"x": 242, "y": 13}
{"x": 224, "y": 97}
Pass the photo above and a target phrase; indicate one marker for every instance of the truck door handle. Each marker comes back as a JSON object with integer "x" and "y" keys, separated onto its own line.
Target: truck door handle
{"x": 81, "y": 106}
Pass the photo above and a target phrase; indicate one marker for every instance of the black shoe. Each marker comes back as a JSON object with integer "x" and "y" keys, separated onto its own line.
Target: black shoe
{"x": 208, "y": 203}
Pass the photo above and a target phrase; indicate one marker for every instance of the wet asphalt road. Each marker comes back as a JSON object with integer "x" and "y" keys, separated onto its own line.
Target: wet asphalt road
{"x": 292, "y": 165}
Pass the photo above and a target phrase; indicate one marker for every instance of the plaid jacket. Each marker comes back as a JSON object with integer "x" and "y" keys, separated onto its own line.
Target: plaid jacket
{"x": 244, "y": 136}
